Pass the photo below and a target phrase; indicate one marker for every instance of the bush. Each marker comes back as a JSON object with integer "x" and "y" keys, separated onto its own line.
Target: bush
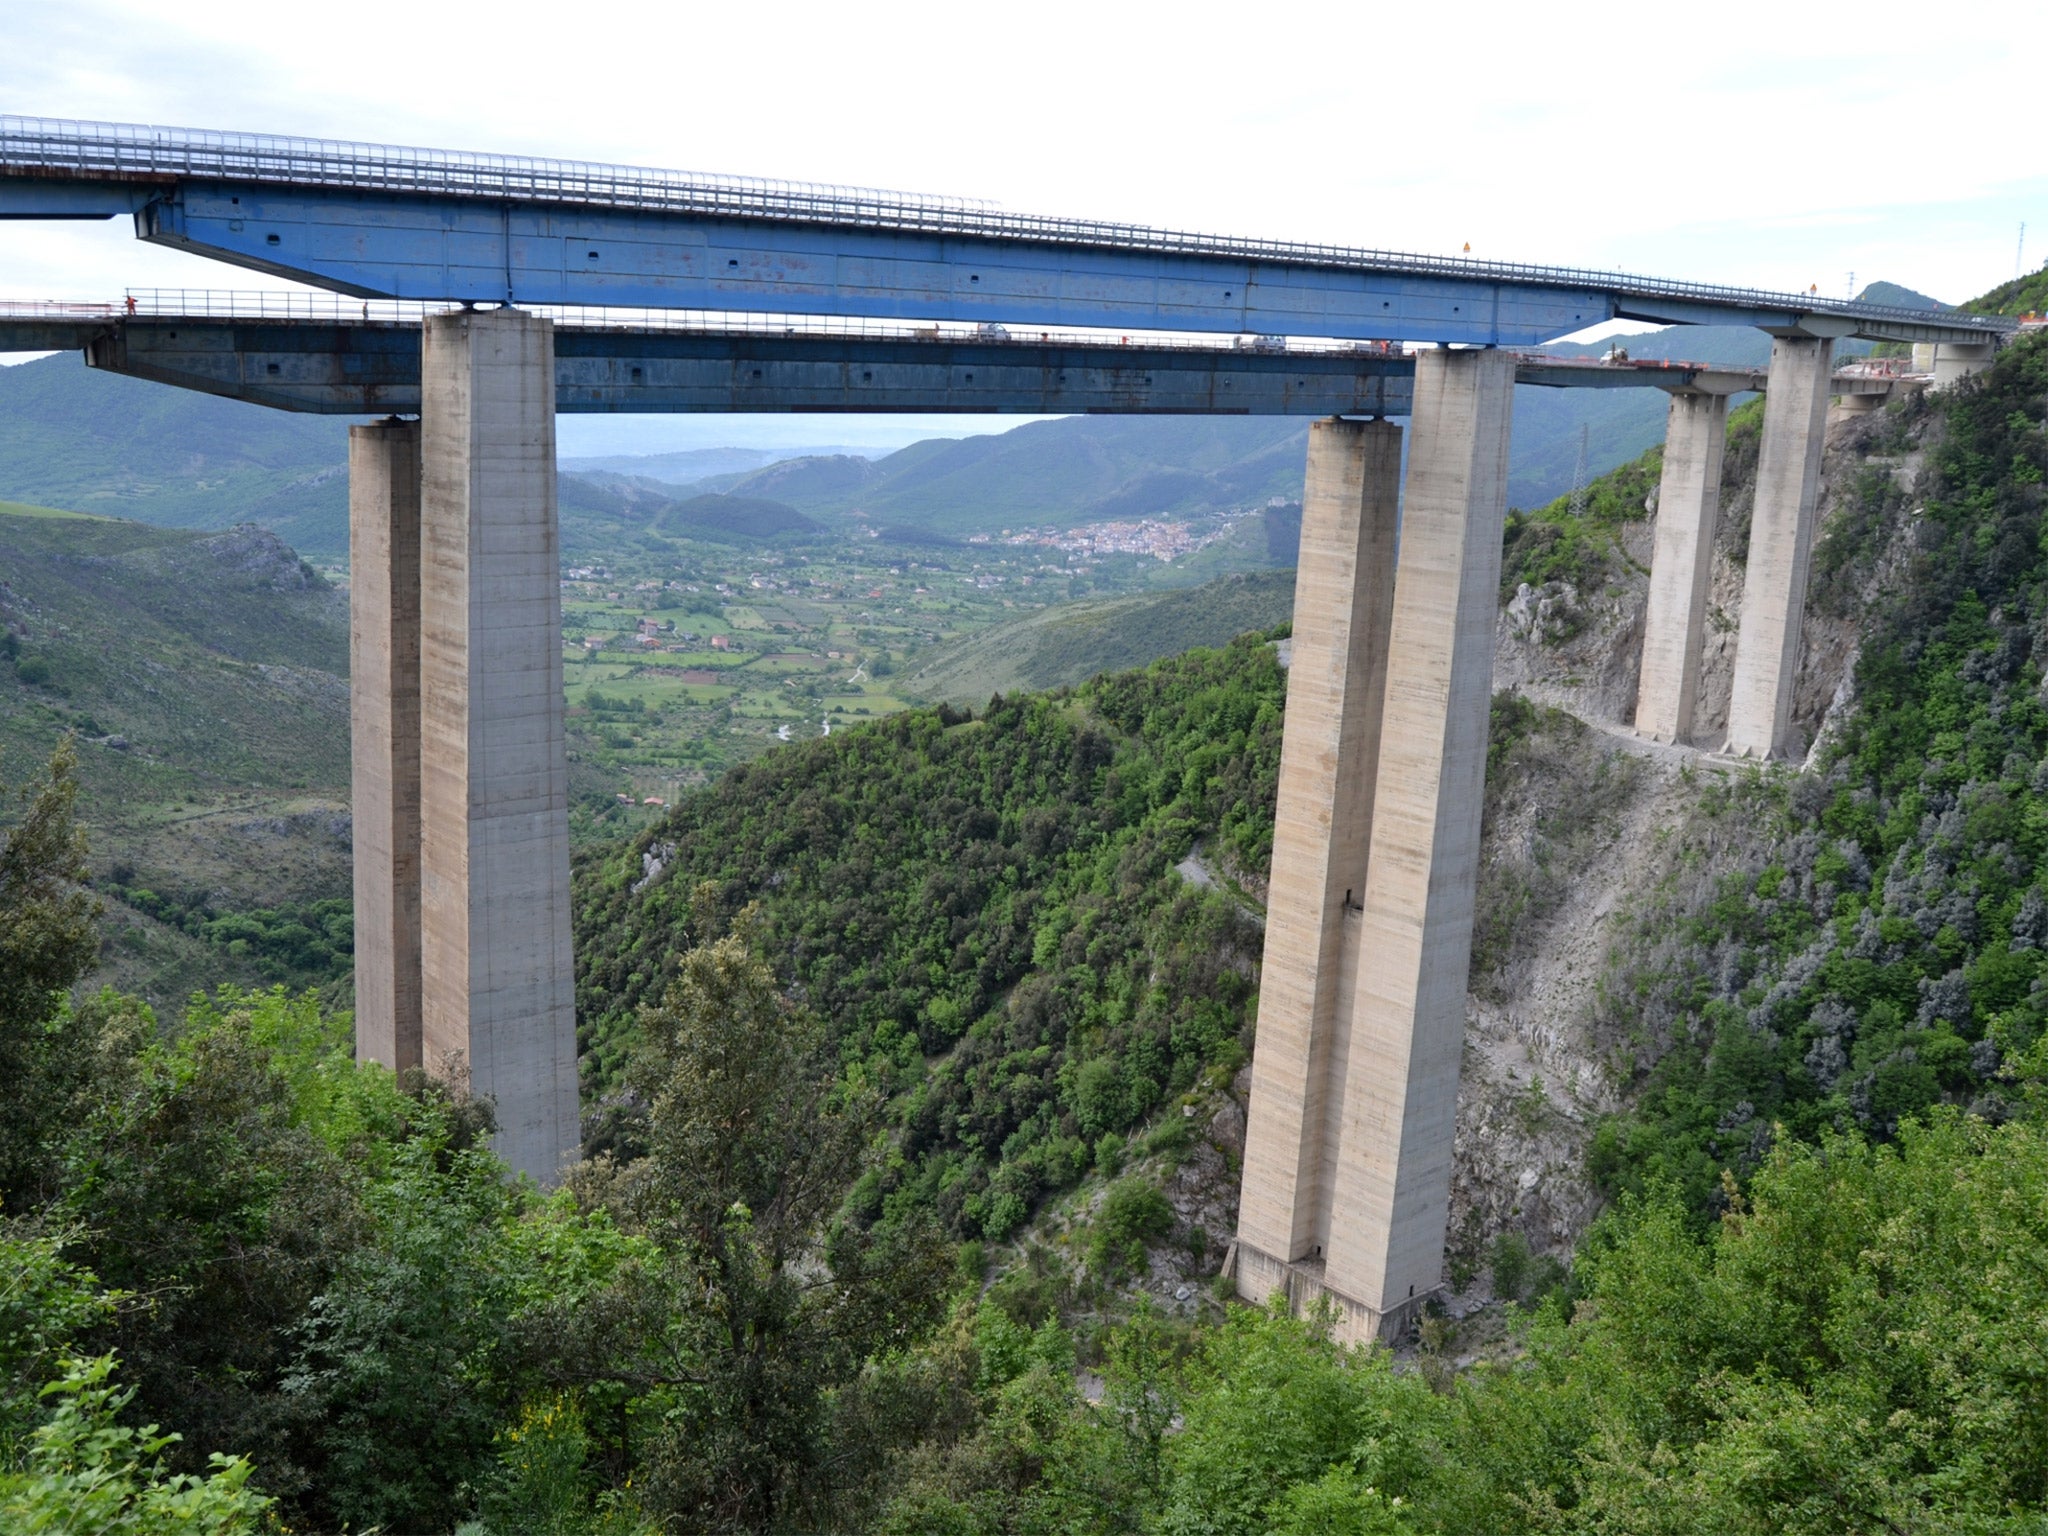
{"x": 86, "y": 1471}
{"x": 1511, "y": 1266}
{"x": 1133, "y": 1216}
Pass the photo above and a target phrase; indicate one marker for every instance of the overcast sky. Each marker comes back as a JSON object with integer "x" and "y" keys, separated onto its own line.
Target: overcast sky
{"x": 1770, "y": 146}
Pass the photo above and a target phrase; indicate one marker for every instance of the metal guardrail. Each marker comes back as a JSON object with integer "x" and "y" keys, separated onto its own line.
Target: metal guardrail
{"x": 56, "y": 309}
{"x": 116, "y": 151}
{"x": 319, "y": 307}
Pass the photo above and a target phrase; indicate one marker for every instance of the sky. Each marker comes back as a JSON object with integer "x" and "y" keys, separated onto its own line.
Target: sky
{"x": 1772, "y": 148}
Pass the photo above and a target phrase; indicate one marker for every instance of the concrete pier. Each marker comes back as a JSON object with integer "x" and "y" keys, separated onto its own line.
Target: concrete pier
{"x": 1391, "y": 1197}
{"x": 1681, "y": 567}
{"x": 1329, "y": 758}
{"x": 384, "y": 721}
{"x": 1362, "y": 1013}
{"x": 497, "y": 988}
{"x": 1780, "y": 545}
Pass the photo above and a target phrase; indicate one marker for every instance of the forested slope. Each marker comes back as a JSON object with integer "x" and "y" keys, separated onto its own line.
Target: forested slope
{"x": 997, "y": 894}
{"x": 997, "y": 897}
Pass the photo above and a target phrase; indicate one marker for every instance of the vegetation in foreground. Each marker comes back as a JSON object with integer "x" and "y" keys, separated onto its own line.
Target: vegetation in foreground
{"x": 246, "y": 1282}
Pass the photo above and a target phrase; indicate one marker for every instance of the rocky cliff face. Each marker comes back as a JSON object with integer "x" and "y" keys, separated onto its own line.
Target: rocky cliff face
{"x": 1584, "y": 822}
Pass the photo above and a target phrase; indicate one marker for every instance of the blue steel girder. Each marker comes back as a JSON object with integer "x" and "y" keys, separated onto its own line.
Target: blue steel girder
{"x": 435, "y": 225}
{"x": 382, "y": 245}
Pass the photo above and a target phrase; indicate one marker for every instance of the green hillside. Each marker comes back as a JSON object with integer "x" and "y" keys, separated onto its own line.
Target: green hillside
{"x": 2022, "y": 296}
{"x": 98, "y": 442}
{"x": 216, "y": 657}
{"x": 1069, "y": 644}
{"x": 204, "y": 676}
{"x": 997, "y": 891}
{"x": 752, "y": 518}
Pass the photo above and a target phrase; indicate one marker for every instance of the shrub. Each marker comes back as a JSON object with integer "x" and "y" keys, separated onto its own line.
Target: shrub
{"x": 1134, "y": 1215}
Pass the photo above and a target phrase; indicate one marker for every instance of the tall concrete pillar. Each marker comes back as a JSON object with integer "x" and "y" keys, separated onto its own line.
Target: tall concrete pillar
{"x": 1780, "y": 545}
{"x": 384, "y": 721}
{"x": 1329, "y": 756}
{"x": 1390, "y": 1200}
{"x": 1682, "y": 565}
{"x": 497, "y": 988}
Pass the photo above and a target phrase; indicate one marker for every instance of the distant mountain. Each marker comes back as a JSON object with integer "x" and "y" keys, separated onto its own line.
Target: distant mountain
{"x": 812, "y": 477}
{"x": 1076, "y": 470}
{"x": 87, "y": 441}
{"x": 1899, "y": 296}
{"x": 695, "y": 465}
{"x": 735, "y": 517}
{"x": 1073, "y": 642}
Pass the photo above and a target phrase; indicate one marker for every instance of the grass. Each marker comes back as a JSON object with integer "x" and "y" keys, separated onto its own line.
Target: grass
{"x": 23, "y": 509}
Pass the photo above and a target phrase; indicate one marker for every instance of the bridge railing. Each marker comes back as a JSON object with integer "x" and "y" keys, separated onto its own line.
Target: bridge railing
{"x": 320, "y": 307}
{"x": 336, "y": 308}
{"x": 33, "y": 145}
{"x": 56, "y": 309}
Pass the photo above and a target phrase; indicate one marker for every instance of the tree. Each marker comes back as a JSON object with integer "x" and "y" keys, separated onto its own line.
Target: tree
{"x": 766, "y": 1307}
{"x": 88, "y": 1474}
{"x": 48, "y": 941}
{"x": 401, "y": 1372}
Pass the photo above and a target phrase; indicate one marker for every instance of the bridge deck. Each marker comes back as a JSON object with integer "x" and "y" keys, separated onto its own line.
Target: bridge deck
{"x": 319, "y": 354}
{"x": 379, "y": 220}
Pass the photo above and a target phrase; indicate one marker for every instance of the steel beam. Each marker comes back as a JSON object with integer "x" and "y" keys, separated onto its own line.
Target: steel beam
{"x": 368, "y": 367}
{"x": 435, "y": 247}
{"x": 377, "y": 220}
{"x": 372, "y": 367}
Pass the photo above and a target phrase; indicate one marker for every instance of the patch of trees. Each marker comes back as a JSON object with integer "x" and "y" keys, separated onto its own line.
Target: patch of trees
{"x": 299, "y": 944}
{"x": 1853, "y": 1347}
{"x": 993, "y": 895}
{"x": 248, "y": 1282}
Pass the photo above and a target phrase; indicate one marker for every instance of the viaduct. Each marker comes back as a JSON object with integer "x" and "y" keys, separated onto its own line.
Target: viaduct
{"x": 467, "y": 299}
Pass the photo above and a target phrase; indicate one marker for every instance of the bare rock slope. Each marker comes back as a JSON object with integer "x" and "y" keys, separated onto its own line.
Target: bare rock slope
{"x": 1584, "y": 821}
